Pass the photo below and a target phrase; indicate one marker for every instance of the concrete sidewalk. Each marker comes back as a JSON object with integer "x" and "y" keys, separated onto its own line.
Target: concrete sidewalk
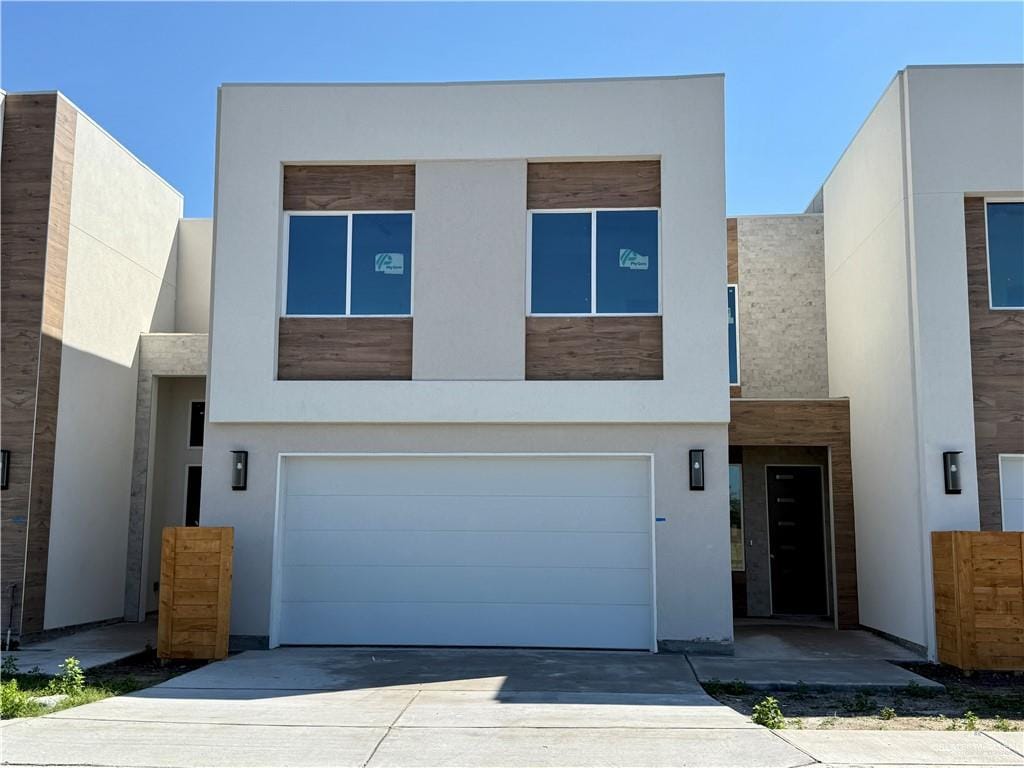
{"x": 92, "y": 647}
{"x": 385, "y": 707}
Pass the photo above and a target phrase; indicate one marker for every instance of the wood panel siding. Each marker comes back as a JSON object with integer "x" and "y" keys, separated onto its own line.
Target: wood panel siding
{"x": 978, "y": 579}
{"x": 344, "y": 348}
{"x": 997, "y": 370}
{"x": 593, "y": 348}
{"x": 349, "y": 187}
{"x": 807, "y": 423}
{"x": 602, "y": 184}
{"x": 195, "y": 593}
{"x": 35, "y": 203}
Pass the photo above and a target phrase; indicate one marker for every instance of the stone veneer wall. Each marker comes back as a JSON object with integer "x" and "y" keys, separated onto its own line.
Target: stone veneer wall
{"x": 783, "y": 350}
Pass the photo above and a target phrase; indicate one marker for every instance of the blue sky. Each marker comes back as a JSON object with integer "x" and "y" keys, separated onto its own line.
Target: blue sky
{"x": 800, "y": 77}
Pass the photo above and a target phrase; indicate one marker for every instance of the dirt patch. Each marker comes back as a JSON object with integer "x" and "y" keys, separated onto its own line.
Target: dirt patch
{"x": 991, "y": 701}
{"x": 144, "y": 669}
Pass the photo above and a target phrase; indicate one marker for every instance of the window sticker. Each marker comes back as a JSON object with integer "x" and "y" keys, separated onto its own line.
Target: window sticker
{"x": 630, "y": 259}
{"x": 389, "y": 263}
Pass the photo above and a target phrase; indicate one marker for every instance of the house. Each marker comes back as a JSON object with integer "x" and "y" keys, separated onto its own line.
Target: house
{"x": 488, "y": 365}
{"x": 95, "y": 252}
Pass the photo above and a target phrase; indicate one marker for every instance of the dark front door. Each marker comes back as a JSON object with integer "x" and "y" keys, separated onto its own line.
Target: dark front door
{"x": 796, "y": 531}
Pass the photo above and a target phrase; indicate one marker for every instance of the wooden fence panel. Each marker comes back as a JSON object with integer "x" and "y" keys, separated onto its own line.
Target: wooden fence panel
{"x": 979, "y": 599}
{"x": 195, "y": 593}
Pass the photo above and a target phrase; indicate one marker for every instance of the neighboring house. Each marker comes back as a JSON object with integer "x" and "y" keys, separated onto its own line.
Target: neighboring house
{"x": 94, "y": 252}
{"x": 467, "y": 344}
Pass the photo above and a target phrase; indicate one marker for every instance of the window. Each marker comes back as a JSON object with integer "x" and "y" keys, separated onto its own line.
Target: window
{"x": 734, "y": 337}
{"x": 1011, "y": 490}
{"x": 196, "y": 423}
{"x": 736, "y": 516}
{"x": 349, "y": 264}
{"x": 1005, "y": 237}
{"x": 193, "y": 492}
{"x": 594, "y": 262}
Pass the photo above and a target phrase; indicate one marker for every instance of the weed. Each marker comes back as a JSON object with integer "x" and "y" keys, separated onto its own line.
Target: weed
{"x": 915, "y": 691}
{"x": 16, "y": 703}
{"x": 71, "y": 679}
{"x": 887, "y": 713}
{"x": 1002, "y": 724}
{"x": 9, "y": 666}
{"x": 970, "y": 721}
{"x": 828, "y": 723}
{"x": 801, "y": 691}
{"x": 768, "y": 713}
{"x": 860, "y": 703}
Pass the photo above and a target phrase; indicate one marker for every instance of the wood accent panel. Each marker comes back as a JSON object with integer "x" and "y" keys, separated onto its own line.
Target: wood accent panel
{"x": 349, "y": 187}
{"x": 35, "y": 198}
{"x": 195, "y": 593}
{"x": 593, "y": 348}
{"x": 732, "y": 251}
{"x": 812, "y": 423}
{"x": 344, "y": 348}
{"x": 601, "y": 184}
{"x": 997, "y": 370}
{"x": 978, "y": 579}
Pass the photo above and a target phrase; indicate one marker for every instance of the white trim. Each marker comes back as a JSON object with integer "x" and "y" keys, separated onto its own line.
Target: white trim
{"x": 999, "y": 462}
{"x": 184, "y": 500}
{"x": 736, "y": 292}
{"x": 188, "y": 426}
{"x": 825, "y": 531}
{"x": 988, "y": 258}
{"x": 593, "y": 264}
{"x": 275, "y": 583}
{"x": 282, "y": 309}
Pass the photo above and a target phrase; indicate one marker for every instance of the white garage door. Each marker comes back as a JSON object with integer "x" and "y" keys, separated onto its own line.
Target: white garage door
{"x": 466, "y": 550}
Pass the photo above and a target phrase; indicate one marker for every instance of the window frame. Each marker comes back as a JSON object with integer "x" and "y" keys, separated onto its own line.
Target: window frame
{"x": 743, "y": 541}
{"x": 285, "y": 255}
{"x": 593, "y": 263}
{"x": 736, "y": 292}
{"x": 988, "y": 256}
{"x": 188, "y": 425}
{"x": 999, "y": 477}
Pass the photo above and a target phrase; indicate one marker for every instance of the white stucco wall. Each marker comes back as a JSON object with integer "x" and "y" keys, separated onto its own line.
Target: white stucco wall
{"x": 120, "y": 282}
{"x": 870, "y": 360}
{"x": 195, "y": 260}
{"x": 679, "y": 120}
{"x": 692, "y": 545}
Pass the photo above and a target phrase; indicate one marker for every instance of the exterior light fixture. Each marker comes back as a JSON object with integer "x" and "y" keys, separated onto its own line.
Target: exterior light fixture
{"x": 697, "y": 469}
{"x": 239, "y": 470}
{"x": 5, "y": 468}
{"x": 951, "y": 471}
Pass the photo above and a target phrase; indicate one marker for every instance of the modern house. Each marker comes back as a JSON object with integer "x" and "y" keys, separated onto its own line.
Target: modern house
{"x": 488, "y": 365}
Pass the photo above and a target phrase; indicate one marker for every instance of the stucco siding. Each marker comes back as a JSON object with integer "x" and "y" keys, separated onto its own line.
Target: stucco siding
{"x": 783, "y": 348}
{"x": 192, "y": 288}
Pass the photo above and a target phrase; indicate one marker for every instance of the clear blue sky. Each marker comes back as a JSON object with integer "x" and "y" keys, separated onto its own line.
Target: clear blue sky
{"x": 800, "y": 77}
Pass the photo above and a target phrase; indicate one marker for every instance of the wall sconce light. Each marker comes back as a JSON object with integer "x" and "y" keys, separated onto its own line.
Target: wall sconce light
{"x": 5, "y": 469}
{"x": 239, "y": 470}
{"x": 951, "y": 471}
{"x": 697, "y": 469}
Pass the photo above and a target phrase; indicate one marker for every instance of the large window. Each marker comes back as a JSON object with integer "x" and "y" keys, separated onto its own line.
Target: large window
{"x": 349, "y": 264}
{"x": 1005, "y": 236}
{"x": 736, "y": 515}
{"x": 734, "y": 337}
{"x": 594, "y": 262}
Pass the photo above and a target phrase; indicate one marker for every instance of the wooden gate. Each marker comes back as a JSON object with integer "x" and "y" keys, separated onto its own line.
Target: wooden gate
{"x": 979, "y": 599}
{"x": 195, "y": 593}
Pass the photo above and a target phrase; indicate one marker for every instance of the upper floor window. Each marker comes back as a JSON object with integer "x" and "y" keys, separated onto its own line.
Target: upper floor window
{"x": 594, "y": 262}
{"x": 348, "y": 264}
{"x": 734, "y": 337}
{"x": 196, "y": 423}
{"x": 1005, "y": 237}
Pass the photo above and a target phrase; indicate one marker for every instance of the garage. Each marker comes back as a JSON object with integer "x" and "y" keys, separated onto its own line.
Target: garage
{"x": 471, "y": 550}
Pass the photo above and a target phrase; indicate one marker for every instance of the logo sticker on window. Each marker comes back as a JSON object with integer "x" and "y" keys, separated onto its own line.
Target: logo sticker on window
{"x": 630, "y": 259}
{"x": 390, "y": 263}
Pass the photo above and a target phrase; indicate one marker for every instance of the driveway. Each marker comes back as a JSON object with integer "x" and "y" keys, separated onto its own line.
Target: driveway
{"x": 386, "y": 707}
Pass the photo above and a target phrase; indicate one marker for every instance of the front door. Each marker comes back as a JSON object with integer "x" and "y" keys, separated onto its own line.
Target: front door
{"x": 796, "y": 531}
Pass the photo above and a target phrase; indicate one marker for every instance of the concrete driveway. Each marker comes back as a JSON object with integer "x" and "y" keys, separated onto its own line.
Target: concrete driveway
{"x": 384, "y": 707}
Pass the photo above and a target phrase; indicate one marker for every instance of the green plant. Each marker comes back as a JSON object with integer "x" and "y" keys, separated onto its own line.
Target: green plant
{"x": 828, "y": 723}
{"x": 9, "y": 666}
{"x": 733, "y": 688}
{"x": 768, "y": 713}
{"x": 71, "y": 679}
{"x": 1002, "y": 724}
{"x": 887, "y": 713}
{"x": 860, "y": 703}
{"x": 15, "y": 702}
{"x": 970, "y": 721}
